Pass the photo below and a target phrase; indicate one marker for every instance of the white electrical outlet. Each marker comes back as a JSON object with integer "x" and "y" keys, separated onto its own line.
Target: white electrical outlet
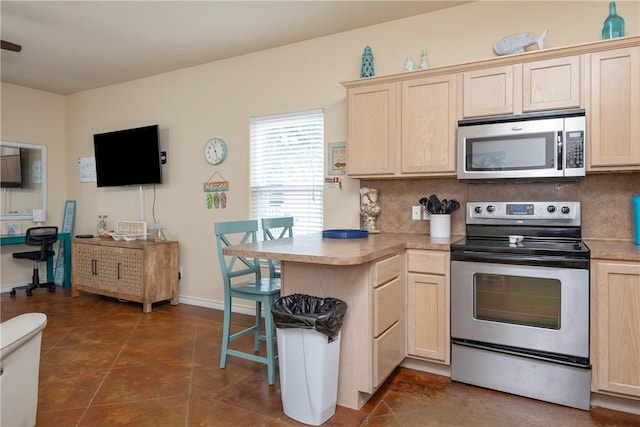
{"x": 416, "y": 212}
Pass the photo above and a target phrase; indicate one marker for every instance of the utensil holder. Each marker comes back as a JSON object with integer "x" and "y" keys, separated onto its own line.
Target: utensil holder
{"x": 440, "y": 225}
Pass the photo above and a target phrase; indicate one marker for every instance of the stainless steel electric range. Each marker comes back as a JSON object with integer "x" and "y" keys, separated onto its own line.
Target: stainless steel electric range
{"x": 520, "y": 301}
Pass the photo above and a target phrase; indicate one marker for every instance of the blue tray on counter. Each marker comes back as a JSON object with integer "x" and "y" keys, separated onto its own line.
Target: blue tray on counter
{"x": 345, "y": 234}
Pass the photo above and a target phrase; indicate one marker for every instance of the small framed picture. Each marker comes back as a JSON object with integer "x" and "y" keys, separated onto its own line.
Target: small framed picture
{"x": 337, "y": 161}
{"x": 14, "y": 229}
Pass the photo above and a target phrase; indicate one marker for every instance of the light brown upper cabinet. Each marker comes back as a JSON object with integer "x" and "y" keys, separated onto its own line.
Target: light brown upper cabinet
{"x": 614, "y": 110}
{"x": 549, "y": 84}
{"x": 428, "y": 144}
{"x": 402, "y": 129}
{"x": 371, "y": 130}
{"x": 488, "y": 92}
{"x": 404, "y": 125}
{"x": 552, "y": 84}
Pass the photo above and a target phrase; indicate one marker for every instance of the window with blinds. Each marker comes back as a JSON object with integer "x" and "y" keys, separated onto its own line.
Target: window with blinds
{"x": 287, "y": 164}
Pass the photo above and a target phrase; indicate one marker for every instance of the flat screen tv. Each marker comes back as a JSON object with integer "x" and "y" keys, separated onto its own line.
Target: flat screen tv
{"x": 128, "y": 157}
{"x": 11, "y": 168}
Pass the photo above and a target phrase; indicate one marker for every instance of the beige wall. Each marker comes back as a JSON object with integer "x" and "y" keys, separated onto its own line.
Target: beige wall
{"x": 34, "y": 117}
{"x": 216, "y": 99}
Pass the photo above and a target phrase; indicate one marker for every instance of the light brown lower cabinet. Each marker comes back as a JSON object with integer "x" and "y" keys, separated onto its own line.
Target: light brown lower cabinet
{"x": 388, "y": 340}
{"x": 428, "y": 331}
{"x": 372, "y": 342}
{"x": 615, "y": 327}
{"x": 143, "y": 271}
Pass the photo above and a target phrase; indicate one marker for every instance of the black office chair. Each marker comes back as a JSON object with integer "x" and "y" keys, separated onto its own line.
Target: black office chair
{"x": 43, "y": 237}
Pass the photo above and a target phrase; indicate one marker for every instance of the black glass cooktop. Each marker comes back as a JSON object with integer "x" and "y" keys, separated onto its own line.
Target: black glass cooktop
{"x": 528, "y": 245}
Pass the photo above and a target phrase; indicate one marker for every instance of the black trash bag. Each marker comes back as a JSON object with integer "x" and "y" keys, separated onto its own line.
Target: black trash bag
{"x": 325, "y": 315}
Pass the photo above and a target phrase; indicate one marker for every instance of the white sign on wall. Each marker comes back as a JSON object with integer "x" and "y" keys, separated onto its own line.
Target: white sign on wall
{"x": 87, "y": 169}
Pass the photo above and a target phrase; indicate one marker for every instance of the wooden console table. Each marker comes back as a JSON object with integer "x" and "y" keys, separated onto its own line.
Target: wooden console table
{"x": 144, "y": 271}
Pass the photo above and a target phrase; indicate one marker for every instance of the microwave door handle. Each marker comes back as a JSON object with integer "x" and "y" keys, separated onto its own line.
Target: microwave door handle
{"x": 560, "y": 158}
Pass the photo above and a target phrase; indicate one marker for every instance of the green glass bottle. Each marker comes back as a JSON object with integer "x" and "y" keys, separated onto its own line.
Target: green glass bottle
{"x": 614, "y": 25}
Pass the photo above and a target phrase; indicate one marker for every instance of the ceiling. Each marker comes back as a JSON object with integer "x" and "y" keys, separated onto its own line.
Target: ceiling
{"x": 71, "y": 46}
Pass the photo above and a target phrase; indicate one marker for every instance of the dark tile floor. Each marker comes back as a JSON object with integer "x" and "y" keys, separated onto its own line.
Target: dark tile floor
{"x": 105, "y": 363}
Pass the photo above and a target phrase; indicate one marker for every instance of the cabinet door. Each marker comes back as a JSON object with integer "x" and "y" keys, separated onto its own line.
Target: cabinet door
{"x": 105, "y": 267}
{"x": 129, "y": 271}
{"x": 616, "y": 323}
{"x": 428, "y": 317}
{"x": 488, "y": 92}
{"x": 551, "y": 84}
{"x": 84, "y": 265}
{"x": 614, "y": 127}
{"x": 371, "y": 134}
{"x": 428, "y": 143}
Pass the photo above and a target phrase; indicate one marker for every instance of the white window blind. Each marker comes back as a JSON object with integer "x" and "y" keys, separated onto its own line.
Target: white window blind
{"x": 287, "y": 164}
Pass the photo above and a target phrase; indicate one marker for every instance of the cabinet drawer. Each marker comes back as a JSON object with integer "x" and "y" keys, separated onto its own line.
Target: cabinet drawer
{"x": 387, "y": 302}
{"x": 427, "y": 261}
{"x": 388, "y": 352}
{"x": 385, "y": 270}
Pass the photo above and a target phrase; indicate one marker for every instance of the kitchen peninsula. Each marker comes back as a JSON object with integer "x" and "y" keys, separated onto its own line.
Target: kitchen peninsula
{"x": 368, "y": 274}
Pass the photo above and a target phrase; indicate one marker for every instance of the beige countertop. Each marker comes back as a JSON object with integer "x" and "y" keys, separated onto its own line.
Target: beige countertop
{"x": 318, "y": 250}
{"x": 613, "y": 249}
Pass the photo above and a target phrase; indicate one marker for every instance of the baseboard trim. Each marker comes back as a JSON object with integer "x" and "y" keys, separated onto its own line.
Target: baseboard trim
{"x": 217, "y": 305}
{"x": 8, "y": 288}
{"x": 425, "y": 366}
{"x": 616, "y": 403}
{"x": 199, "y": 302}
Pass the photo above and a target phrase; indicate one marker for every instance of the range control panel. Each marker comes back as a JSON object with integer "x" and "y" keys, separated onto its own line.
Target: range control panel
{"x": 562, "y": 211}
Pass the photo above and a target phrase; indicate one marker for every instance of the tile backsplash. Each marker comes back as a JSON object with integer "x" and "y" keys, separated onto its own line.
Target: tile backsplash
{"x": 606, "y": 201}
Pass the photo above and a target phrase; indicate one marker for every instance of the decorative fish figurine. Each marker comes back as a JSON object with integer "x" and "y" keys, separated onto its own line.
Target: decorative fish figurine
{"x": 517, "y": 42}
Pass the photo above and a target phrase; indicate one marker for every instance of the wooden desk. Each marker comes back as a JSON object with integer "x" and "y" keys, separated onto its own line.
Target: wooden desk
{"x": 65, "y": 238}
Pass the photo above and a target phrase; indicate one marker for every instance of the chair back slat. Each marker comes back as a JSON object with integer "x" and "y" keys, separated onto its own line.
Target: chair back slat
{"x": 282, "y": 227}
{"x": 272, "y": 227}
{"x": 235, "y": 233}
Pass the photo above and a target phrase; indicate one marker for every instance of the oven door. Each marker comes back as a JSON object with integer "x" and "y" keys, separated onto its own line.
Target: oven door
{"x": 544, "y": 309}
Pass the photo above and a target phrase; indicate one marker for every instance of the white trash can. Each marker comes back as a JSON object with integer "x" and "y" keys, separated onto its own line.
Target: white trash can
{"x": 308, "y": 331}
{"x": 308, "y": 374}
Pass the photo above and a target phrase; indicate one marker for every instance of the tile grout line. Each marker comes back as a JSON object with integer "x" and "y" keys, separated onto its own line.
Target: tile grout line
{"x": 86, "y": 409}
{"x": 193, "y": 356}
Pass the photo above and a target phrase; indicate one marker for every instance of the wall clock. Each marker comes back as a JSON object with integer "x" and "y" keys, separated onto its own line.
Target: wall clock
{"x": 215, "y": 151}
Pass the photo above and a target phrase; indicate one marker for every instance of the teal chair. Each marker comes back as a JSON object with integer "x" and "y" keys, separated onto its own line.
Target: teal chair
{"x": 276, "y": 228}
{"x": 242, "y": 279}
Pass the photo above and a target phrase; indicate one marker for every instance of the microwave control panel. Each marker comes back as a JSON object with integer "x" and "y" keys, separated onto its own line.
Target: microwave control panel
{"x": 574, "y": 146}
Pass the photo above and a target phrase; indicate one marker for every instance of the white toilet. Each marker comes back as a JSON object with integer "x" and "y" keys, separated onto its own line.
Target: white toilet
{"x": 20, "y": 339}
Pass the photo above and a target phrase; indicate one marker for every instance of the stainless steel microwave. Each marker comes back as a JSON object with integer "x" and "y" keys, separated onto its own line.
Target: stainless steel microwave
{"x": 527, "y": 146}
